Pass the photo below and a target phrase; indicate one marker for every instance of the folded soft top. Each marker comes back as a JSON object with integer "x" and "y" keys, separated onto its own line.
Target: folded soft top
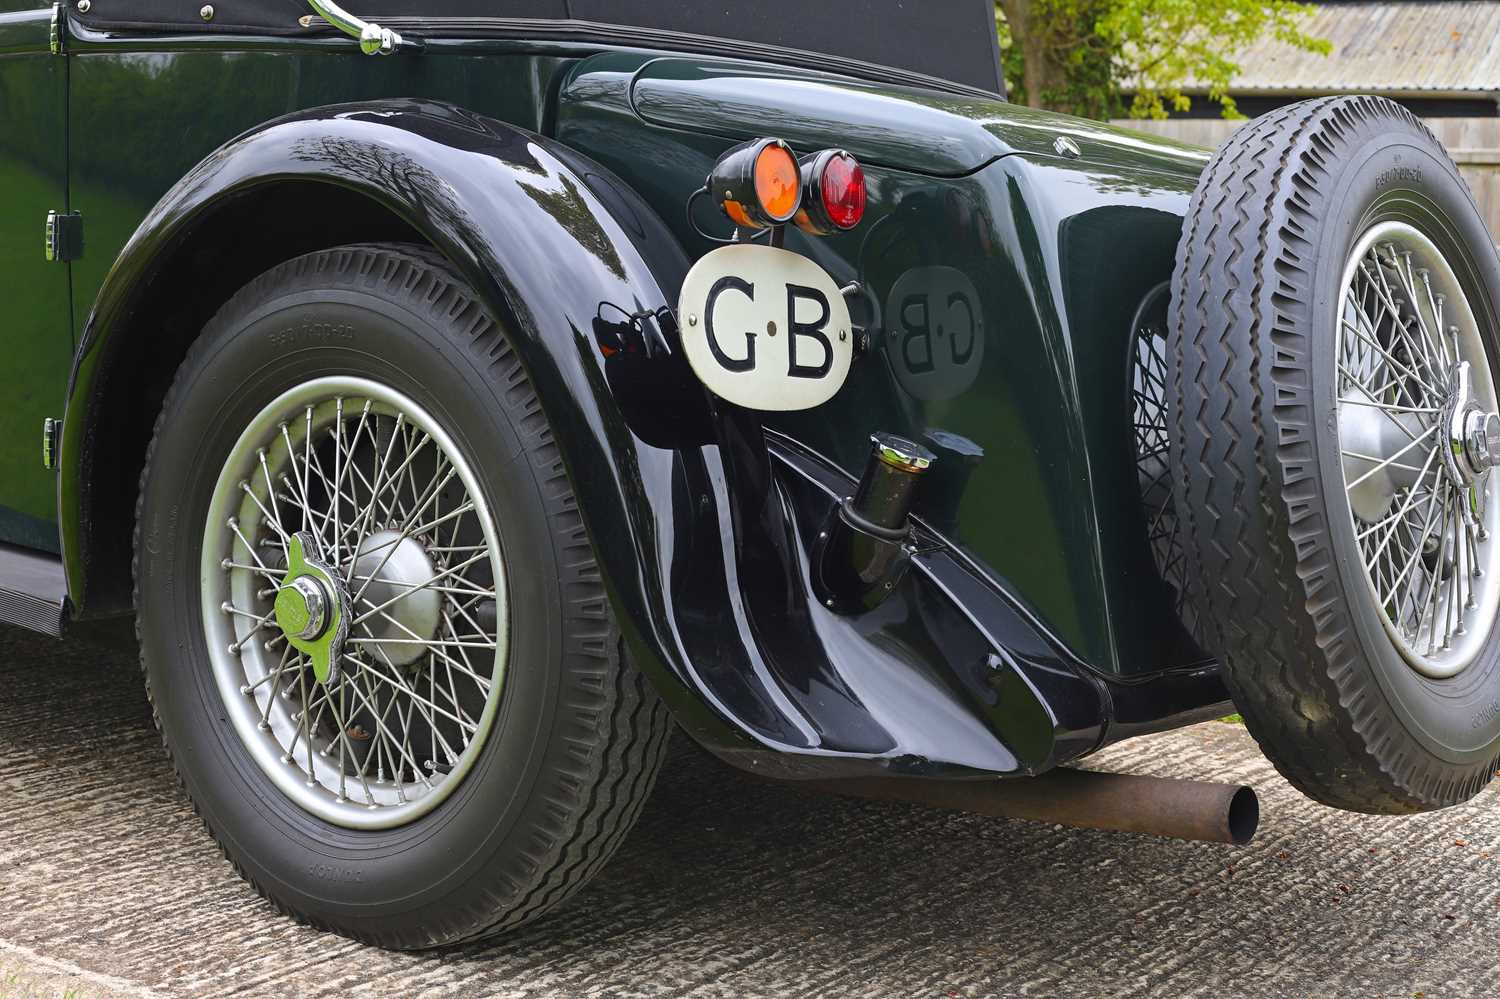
{"x": 952, "y": 40}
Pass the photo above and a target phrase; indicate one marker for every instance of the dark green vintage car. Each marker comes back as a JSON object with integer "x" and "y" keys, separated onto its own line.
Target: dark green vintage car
{"x": 455, "y": 409}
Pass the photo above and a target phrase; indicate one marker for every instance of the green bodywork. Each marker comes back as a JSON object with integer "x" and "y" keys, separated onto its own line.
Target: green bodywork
{"x": 35, "y": 326}
{"x": 1001, "y": 276}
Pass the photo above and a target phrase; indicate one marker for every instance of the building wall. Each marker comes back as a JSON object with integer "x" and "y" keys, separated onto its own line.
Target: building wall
{"x": 1473, "y": 142}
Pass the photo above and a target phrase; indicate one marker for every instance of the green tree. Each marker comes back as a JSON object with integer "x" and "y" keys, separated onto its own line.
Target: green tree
{"x": 1077, "y": 55}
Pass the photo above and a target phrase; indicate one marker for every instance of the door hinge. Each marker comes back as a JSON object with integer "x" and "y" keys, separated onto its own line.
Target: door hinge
{"x": 59, "y": 29}
{"x": 51, "y": 436}
{"x": 64, "y": 236}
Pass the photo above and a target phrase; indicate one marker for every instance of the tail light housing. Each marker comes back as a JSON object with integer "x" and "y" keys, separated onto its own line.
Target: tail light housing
{"x": 833, "y": 193}
{"x": 758, "y": 184}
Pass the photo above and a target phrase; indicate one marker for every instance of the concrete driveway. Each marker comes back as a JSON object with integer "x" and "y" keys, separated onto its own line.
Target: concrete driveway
{"x": 109, "y": 887}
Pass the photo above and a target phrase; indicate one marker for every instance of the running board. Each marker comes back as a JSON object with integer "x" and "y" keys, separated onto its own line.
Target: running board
{"x": 33, "y": 590}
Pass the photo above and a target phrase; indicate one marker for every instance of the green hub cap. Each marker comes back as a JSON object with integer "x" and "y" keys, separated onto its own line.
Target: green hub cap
{"x": 312, "y": 607}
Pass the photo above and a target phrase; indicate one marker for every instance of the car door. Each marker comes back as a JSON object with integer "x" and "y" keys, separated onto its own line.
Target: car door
{"x": 36, "y": 342}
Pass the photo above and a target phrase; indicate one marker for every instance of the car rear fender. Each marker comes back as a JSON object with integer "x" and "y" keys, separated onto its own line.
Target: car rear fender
{"x": 700, "y": 520}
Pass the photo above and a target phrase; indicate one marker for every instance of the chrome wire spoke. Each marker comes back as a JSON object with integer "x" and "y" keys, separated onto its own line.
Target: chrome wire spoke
{"x": 1391, "y": 461}
{"x": 384, "y": 500}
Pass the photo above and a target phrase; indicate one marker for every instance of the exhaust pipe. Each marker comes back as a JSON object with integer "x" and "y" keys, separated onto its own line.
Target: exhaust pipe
{"x": 1184, "y": 809}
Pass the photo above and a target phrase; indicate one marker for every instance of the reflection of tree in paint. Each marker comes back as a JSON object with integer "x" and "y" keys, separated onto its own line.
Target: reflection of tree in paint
{"x": 388, "y": 170}
{"x": 392, "y": 170}
{"x": 570, "y": 210}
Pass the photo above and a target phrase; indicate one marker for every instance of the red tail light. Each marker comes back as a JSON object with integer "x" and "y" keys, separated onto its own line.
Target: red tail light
{"x": 833, "y": 193}
{"x": 844, "y": 191}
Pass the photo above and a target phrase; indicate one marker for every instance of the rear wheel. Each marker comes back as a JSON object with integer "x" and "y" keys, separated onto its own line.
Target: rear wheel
{"x": 376, "y": 644}
{"x": 1334, "y": 426}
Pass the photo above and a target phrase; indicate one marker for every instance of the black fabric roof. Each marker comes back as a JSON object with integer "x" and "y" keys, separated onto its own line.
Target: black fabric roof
{"x": 950, "y": 40}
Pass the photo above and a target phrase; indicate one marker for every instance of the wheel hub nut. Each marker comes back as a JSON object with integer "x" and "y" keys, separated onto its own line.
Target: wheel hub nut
{"x": 312, "y": 607}
{"x": 1482, "y": 440}
{"x": 302, "y": 608}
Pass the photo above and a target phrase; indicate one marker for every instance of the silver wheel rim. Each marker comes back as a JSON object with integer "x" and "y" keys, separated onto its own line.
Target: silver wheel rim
{"x": 416, "y": 684}
{"x": 1418, "y": 436}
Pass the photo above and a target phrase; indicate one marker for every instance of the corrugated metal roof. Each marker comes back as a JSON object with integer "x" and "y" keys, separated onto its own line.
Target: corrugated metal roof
{"x": 1427, "y": 49}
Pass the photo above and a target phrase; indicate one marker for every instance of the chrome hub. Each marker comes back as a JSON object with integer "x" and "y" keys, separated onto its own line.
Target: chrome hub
{"x": 1369, "y": 437}
{"x": 1482, "y": 440}
{"x": 1473, "y": 444}
{"x": 394, "y": 572}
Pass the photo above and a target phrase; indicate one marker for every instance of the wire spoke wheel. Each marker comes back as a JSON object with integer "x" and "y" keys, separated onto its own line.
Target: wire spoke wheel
{"x": 1416, "y": 411}
{"x": 1332, "y": 415}
{"x": 354, "y": 599}
{"x": 1151, "y": 439}
{"x": 348, "y": 474}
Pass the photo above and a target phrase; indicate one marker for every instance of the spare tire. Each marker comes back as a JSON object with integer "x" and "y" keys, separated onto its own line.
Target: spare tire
{"x": 1333, "y": 415}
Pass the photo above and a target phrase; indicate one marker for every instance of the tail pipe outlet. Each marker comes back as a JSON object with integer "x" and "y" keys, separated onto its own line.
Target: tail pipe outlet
{"x": 865, "y": 546}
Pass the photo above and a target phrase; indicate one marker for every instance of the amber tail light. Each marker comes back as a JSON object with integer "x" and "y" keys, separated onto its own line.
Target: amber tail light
{"x": 757, "y": 184}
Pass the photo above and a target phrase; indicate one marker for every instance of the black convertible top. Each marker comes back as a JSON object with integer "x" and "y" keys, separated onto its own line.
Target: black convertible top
{"x": 942, "y": 40}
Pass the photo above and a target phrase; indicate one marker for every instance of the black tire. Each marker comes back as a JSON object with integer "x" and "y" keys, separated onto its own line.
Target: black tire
{"x": 579, "y": 734}
{"x": 1256, "y": 453}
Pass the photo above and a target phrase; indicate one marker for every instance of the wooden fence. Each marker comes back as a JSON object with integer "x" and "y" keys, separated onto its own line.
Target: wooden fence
{"x": 1473, "y": 142}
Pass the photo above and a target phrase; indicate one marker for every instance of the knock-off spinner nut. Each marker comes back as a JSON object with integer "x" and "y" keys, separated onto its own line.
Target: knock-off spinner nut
{"x": 302, "y": 608}
{"x": 1482, "y": 440}
{"x": 312, "y": 607}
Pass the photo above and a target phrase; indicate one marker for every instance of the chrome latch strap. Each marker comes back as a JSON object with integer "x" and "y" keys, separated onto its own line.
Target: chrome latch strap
{"x": 373, "y": 39}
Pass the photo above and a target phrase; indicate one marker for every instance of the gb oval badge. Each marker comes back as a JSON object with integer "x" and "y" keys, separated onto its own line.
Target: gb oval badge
{"x": 765, "y": 328}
